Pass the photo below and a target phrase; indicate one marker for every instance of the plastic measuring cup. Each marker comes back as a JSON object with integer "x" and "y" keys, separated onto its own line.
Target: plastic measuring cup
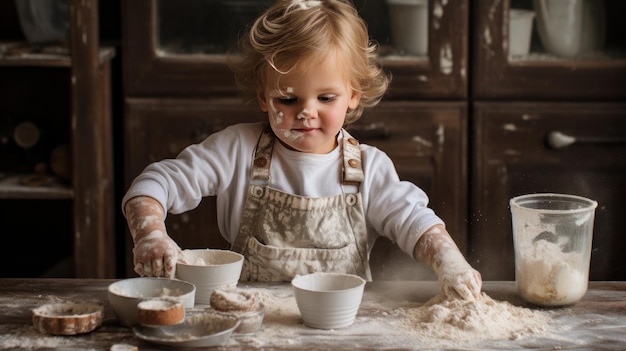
{"x": 552, "y": 235}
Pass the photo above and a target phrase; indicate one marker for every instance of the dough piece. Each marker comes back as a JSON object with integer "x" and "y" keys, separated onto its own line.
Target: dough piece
{"x": 233, "y": 300}
{"x": 160, "y": 311}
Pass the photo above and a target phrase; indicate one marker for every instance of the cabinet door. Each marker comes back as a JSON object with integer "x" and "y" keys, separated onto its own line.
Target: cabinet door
{"x": 427, "y": 143}
{"x": 518, "y": 151}
{"x": 158, "y": 129}
{"x": 180, "y": 49}
{"x": 549, "y": 69}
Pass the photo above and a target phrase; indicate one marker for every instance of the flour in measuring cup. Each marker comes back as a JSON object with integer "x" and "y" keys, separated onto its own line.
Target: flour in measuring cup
{"x": 548, "y": 276}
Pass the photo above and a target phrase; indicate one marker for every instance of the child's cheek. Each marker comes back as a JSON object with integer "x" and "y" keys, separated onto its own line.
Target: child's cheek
{"x": 278, "y": 117}
{"x": 275, "y": 115}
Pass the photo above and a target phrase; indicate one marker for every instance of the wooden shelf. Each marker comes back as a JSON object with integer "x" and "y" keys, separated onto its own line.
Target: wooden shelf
{"x": 72, "y": 82}
{"x": 21, "y": 54}
{"x": 12, "y": 187}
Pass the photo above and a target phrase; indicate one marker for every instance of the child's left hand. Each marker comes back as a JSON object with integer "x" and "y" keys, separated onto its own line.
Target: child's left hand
{"x": 457, "y": 278}
{"x": 460, "y": 280}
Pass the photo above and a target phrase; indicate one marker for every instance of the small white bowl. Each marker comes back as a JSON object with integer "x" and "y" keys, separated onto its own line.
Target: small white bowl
{"x": 125, "y": 295}
{"x": 328, "y": 300}
{"x": 209, "y": 269}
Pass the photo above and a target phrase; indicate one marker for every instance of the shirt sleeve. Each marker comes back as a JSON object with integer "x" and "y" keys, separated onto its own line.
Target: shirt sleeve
{"x": 395, "y": 209}
{"x": 200, "y": 170}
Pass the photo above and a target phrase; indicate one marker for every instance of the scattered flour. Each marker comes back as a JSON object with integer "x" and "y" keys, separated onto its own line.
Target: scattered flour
{"x": 29, "y": 338}
{"x": 437, "y": 323}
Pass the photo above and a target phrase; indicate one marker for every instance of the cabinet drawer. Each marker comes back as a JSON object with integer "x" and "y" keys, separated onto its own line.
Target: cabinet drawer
{"x": 427, "y": 143}
{"x": 515, "y": 153}
{"x": 160, "y": 128}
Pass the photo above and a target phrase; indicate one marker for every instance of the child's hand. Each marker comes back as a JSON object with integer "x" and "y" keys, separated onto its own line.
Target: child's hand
{"x": 460, "y": 280}
{"x": 155, "y": 254}
{"x": 456, "y": 277}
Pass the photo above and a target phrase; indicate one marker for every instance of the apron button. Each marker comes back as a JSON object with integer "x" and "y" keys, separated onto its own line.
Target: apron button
{"x": 260, "y": 162}
{"x": 351, "y": 199}
{"x": 354, "y": 163}
{"x": 353, "y": 141}
{"x": 257, "y": 191}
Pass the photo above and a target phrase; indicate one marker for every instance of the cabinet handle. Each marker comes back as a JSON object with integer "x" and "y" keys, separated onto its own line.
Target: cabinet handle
{"x": 559, "y": 140}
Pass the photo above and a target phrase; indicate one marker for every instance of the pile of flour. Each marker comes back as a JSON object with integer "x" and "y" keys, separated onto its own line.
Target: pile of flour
{"x": 470, "y": 321}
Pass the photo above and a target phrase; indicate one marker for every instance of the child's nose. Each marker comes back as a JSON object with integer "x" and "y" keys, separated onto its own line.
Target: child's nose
{"x": 304, "y": 114}
{"x": 308, "y": 111}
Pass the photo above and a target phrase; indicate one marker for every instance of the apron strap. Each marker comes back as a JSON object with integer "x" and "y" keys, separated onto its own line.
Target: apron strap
{"x": 263, "y": 157}
{"x": 352, "y": 168}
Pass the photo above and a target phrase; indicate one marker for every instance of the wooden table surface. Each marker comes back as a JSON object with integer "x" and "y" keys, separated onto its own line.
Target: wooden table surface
{"x": 597, "y": 322}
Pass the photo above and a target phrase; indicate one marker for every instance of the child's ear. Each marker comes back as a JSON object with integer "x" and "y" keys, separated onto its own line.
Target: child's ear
{"x": 354, "y": 100}
{"x": 262, "y": 102}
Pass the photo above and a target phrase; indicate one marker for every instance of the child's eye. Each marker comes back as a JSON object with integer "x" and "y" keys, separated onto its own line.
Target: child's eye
{"x": 287, "y": 100}
{"x": 327, "y": 98}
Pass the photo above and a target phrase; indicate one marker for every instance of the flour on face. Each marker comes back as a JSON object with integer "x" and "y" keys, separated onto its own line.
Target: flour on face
{"x": 279, "y": 117}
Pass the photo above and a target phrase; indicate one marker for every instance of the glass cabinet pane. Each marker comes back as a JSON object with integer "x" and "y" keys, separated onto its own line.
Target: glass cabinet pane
{"x": 213, "y": 26}
{"x": 574, "y": 49}
{"x": 400, "y": 27}
{"x": 178, "y": 48}
{"x": 556, "y": 30}
{"x": 203, "y": 26}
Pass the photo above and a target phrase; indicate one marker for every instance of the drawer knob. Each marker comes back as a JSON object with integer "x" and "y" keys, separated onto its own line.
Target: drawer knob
{"x": 559, "y": 140}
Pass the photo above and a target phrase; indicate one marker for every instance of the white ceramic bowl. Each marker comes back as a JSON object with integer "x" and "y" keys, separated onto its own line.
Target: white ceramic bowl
{"x": 209, "y": 269}
{"x": 328, "y": 300}
{"x": 125, "y": 295}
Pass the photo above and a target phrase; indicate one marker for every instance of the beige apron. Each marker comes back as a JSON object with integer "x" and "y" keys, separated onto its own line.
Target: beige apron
{"x": 282, "y": 235}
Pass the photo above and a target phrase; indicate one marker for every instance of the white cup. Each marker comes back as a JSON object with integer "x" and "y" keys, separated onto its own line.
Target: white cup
{"x": 520, "y": 31}
{"x": 409, "y": 25}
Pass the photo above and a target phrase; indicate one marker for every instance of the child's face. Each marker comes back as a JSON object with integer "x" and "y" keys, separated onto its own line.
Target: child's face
{"x": 310, "y": 108}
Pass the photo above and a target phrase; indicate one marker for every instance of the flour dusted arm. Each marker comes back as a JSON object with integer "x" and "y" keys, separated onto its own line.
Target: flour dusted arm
{"x": 456, "y": 277}
{"x": 155, "y": 253}
{"x": 399, "y": 211}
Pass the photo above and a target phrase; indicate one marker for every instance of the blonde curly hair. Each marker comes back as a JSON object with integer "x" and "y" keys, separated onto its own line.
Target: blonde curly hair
{"x": 291, "y": 33}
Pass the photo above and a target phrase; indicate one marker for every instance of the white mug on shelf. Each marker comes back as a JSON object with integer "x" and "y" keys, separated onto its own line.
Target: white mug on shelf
{"x": 520, "y": 31}
{"x": 409, "y": 26}
{"x": 569, "y": 28}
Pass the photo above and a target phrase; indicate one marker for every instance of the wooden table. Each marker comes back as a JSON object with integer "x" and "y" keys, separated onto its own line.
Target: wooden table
{"x": 596, "y": 322}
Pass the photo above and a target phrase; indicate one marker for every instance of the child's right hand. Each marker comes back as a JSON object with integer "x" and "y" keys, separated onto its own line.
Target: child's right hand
{"x": 155, "y": 254}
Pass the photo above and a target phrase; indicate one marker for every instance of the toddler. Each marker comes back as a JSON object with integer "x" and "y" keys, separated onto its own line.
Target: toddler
{"x": 298, "y": 193}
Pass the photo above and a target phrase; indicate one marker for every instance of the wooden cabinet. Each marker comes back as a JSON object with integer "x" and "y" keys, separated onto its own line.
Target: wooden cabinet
{"x": 167, "y": 56}
{"x": 598, "y": 75}
{"x": 466, "y": 120}
{"x": 518, "y": 150}
{"x": 56, "y": 191}
{"x": 156, "y": 129}
{"x": 428, "y": 144}
{"x": 426, "y": 141}
{"x": 522, "y": 101}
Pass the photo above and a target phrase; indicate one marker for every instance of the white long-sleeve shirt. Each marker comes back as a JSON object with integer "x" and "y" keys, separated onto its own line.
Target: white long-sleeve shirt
{"x": 220, "y": 166}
